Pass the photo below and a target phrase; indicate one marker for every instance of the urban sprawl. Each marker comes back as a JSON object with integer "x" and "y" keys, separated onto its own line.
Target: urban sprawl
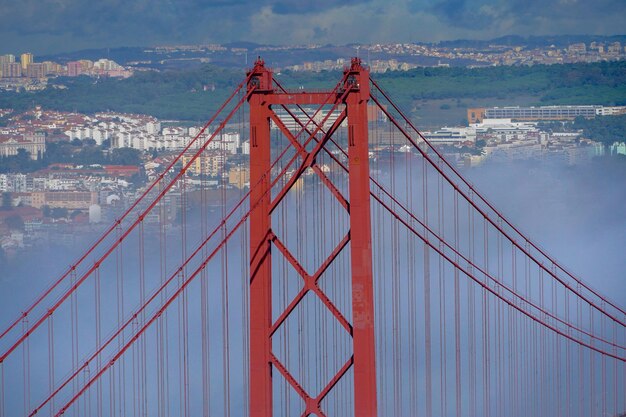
{"x": 61, "y": 199}
{"x": 25, "y": 73}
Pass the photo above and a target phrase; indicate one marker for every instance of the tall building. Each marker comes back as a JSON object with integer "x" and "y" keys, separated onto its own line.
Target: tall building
{"x": 74, "y": 68}
{"x": 86, "y": 65}
{"x": 11, "y": 70}
{"x": 26, "y": 59}
{"x": 52, "y": 68}
{"x": 36, "y": 70}
{"x": 7, "y": 59}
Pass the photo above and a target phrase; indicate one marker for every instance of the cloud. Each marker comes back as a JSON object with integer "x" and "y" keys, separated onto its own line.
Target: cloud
{"x": 307, "y": 7}
{"x": 532, "y": 16}
{"x": 461, "y": 12}
{"x": 56, "y": 25}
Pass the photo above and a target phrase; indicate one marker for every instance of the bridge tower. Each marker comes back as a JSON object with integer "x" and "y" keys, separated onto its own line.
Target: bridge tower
{"x": 352, "y": 96}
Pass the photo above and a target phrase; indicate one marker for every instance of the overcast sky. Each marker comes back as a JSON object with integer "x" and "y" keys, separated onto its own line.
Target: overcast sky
{"x": 45, "y": 26}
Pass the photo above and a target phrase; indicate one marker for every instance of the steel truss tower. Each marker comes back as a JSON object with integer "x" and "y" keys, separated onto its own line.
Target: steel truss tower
{"x": 352, "y": 97}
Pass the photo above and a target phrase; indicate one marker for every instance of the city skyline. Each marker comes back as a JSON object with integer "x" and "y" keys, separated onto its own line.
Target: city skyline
{"x": 51, "y": 27}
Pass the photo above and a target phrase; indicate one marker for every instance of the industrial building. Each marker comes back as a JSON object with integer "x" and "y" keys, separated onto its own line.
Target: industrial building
{"x": 476, "y": 115}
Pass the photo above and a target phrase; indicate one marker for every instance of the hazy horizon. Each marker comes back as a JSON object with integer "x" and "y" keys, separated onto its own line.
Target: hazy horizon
{"x": 68, "y": 25}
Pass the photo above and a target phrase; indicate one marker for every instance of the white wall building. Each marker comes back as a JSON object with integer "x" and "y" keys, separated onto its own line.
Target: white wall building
{"x": 227, "y": 142}
{"x": 145, "y": 133}
{"x": 13, "y": 183}
{"x": 452, "y": 135}
{"x": 245, "y": 148}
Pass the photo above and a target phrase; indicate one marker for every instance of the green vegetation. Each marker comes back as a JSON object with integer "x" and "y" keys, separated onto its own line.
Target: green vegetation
{"x": 4, "y": 262}
{"x": 190, "y": 95}
{"x": 19, "y": 163}
{"x": 14, "y": 222}
{"x": 56, "y": 212}
{"x": 75, "y": 152}
{"x": 607, "y": 129}
{"x": 601, "y": 83}
{"x": 196, "y": 94}
{"x": 6, "y": 201}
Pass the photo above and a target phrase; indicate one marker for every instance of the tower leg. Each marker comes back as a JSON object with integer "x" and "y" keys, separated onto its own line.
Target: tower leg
{"x": 361, "y": 247}
{"x": 260, "y": 261}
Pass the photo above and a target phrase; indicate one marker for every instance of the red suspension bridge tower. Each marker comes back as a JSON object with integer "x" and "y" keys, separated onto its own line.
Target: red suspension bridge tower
{"x": 352, "y": 97}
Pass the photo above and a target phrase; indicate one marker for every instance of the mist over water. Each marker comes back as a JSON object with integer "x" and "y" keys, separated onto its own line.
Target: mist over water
{"x": 575, "y": 213}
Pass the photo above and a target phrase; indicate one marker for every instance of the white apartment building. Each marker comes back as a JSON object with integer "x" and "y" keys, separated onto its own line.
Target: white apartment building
{"x": 13, "y": 183}
{"x": 226, "y": 142}
{"x": 145, "y": 133}
{"x": 451, "y": 135}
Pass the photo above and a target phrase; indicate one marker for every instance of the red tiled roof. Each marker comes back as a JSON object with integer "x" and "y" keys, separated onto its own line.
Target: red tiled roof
{"x": 25, "y": 212}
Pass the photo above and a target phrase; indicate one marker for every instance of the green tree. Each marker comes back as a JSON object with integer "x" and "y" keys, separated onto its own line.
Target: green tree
{"x": 125, "y": 156}
{"x": 21, "y": 162}
{"x": 604, "y": 129}
{"x": 6, "y": 201}
{"x": 89, "y": 155}
{"x": 3, "y": 259}
{"x": 61, "y": 152}
{"x": 14, "y": 222}
{"x": 59, "y": 213}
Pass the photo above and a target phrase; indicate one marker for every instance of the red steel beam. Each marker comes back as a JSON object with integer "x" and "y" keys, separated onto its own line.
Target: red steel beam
{"x": 260, "y": 245}
{"x": 302, "y": 98}
{"x": 361, "y": 242}
{"x": 303, "y": 154}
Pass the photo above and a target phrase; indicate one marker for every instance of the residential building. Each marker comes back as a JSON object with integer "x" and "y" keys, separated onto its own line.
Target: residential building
{"x": 36, "y": 70}
{"x": 11, "y": 70}
{"x": 452, "y": 135}
{"x": 209, "y": 163}
{"x": 52, "y": 68}
{"x": 227, "y": 142}
{"x": 74, "y": 68}
{"x": 34, "y": 143}
{"x": 239, "y": 177}
{"x": 577, "y": 48}
{"x": 7, "y": 59}
{"x": 615, "y": 48}
{"x": 71, "y": 200}
{"x": 26, "y": 59}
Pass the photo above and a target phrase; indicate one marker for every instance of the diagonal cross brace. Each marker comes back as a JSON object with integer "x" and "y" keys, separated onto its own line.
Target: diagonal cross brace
{"x": 313, "y": 404}
{"x": 309, "y": 160}
{"x": 310, "y": 284}
{"x": 304, "y": 154}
